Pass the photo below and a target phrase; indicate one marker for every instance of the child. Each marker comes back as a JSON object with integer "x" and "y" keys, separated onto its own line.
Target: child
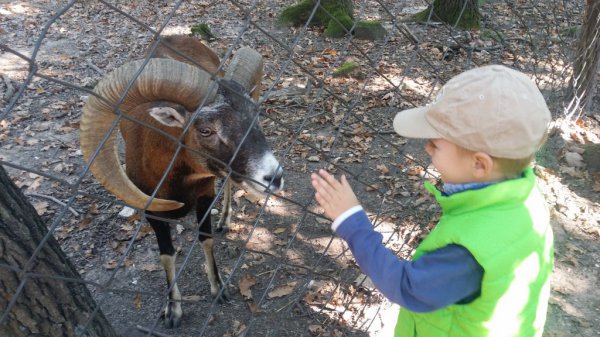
{"x": 484, "y": 270}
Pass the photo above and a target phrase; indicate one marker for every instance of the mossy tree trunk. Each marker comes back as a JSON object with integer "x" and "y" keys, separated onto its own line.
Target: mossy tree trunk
{"x": 461, "y": 13}
{"x": 335, "y": 15}
{"x": 45, "y": 306}
{"x": 587, "y": 62}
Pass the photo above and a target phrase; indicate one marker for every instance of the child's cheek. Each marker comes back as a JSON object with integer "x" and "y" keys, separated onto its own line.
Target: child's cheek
{"x": 429, "y": 149}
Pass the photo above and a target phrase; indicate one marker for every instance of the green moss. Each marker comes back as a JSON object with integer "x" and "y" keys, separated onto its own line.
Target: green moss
{"x": 345, "y": 69}
{"x": 340, "y": 27}
{"x": 368, "y": 24}
{"x": 299, "y": 14}
{"x": 444, "y": 12}
{"x": 203, "y": 30}
{"x": 571, "y": 31}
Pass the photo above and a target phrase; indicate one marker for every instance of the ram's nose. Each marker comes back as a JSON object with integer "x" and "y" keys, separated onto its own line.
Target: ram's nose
{"x": 270, "y": 174}
{"x": 275, "y": 180}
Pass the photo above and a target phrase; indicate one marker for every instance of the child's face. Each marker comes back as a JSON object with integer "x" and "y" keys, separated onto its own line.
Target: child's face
{"x": 454, "y": 165}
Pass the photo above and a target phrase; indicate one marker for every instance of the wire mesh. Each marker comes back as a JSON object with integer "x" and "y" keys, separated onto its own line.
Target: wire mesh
{"x": 279, "y": 258}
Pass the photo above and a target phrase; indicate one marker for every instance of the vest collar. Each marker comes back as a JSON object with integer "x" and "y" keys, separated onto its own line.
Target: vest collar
{"x": 513, "y": 190}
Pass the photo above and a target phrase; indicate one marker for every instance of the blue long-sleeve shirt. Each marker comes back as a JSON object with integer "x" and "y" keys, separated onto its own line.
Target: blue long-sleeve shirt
{"x": 437, "y": 279}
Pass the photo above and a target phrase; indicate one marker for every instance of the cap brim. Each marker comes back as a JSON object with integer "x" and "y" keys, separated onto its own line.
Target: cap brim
{"x": 412, "y": 123}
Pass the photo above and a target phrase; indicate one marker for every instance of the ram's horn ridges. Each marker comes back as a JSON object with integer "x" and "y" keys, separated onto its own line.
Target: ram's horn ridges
{"x": 246, "y": 68}
{"x": 161, "y": 79}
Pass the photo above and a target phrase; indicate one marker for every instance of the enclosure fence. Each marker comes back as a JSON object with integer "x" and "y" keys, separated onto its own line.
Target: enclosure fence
{"x": 325, "y": 103}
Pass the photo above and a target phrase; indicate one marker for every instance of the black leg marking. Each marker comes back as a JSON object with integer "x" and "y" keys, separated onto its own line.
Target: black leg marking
{"x": 173, "y": 312}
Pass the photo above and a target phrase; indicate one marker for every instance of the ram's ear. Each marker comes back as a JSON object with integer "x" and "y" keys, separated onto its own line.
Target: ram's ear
{"x": 167, "y": 116}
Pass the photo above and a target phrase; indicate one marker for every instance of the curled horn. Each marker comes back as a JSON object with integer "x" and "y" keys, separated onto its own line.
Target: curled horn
{"x": 161, "y": 79}
{"x": 246, "y": 68}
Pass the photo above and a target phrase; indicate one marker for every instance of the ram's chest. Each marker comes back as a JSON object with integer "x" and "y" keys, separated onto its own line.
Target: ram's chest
{"x": 181, "y": 183}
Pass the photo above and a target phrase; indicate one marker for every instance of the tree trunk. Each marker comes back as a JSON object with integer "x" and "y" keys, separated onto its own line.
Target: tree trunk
{"x": 585, "y": 68}
{"x": 460, "y": 13}
{"x": 45, "y": 305}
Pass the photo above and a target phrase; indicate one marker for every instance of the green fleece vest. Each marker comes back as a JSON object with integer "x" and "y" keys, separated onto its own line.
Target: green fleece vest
{"x": 506, "y": 228}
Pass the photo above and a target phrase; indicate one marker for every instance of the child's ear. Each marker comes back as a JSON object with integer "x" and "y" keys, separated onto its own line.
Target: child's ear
{"x": 483, "y": 165}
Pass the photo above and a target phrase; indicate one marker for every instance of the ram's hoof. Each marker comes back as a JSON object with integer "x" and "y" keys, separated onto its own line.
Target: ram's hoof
{"x": 173, "y": 315}
{"x": 223, "y": 296}
{"x": 222, "y": 228}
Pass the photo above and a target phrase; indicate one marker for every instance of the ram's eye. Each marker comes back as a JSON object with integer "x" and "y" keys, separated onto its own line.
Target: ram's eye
{"x": 205, "y": 132}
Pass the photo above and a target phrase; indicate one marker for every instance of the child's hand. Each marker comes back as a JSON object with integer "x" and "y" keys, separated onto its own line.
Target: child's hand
{"x": 334, "y": 196}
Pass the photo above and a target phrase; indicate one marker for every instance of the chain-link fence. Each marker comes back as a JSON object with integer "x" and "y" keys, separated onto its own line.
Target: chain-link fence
{"x": 325, "y": 103}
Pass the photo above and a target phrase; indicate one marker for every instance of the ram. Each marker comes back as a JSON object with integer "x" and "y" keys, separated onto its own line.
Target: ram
{"x": 184, "y": 124}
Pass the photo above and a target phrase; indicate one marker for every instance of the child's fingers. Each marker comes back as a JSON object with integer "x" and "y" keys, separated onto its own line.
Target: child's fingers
{"x": 321, "y": 186}
{"x": 329, "y": 179}
{"x": 344, "y": 180}
{"x": 323, "y": 202}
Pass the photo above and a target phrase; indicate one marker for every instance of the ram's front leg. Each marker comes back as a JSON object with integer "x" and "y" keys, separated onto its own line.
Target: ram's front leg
{"x": 225, "y": 221}
{"x": 173, "y": 310}
{"x": 206, "y": 239}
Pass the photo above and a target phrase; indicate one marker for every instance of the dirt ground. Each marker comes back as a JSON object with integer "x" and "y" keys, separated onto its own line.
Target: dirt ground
{"x": 287, "y": 275}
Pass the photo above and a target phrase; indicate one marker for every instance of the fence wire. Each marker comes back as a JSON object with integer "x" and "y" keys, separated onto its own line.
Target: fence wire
{"x": 279, "y": 258}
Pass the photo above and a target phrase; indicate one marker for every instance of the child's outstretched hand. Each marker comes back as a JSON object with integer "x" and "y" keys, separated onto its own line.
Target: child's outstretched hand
{"x": 334, "y": 196}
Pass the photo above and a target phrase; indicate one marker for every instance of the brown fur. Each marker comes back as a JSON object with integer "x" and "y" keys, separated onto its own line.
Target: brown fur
{"x": 146, "y": 168}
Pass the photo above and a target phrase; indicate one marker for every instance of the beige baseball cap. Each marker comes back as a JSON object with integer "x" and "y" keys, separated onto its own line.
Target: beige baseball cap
{"x": 492, "y": 109}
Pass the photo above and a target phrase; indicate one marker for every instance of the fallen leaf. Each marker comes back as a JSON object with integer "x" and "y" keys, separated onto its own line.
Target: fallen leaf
{"x": 150, "y": 267}
{"x": 371, "y": 188}
{"x": 237, "y": 195}
{"x": 94, "y": 209}
{"x": 415, "y": 171}
{"x": 312, "y": 298}
{"x": 337, "y": 333}
{"x": 112, "y": 264}
{"x": 137, "y": 301}
{"x": 65, "y": 129}
{"x": 85, "y": 222}
{"x": 252, "y": 306}
{"x": 316, "y": 329}
{"x": 282, "y": 290}
{"x": 253, "y": 198}
{"x": 330, "y": 51}
{"x": 383, "y": 169}
{"x": 35, "y": 184}
{"x": 192, "y": 298}
{"x": 32, "y": 141}
{"x": 40, "y": 207}
{"x": 238, "y": 328}
{"x": 279, "y": 230}
{"x": 245, "y": 284}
